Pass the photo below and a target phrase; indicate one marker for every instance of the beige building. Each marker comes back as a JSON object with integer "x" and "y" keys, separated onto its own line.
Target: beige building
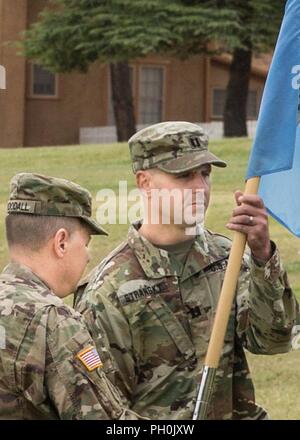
{"x": 39, "y": 108}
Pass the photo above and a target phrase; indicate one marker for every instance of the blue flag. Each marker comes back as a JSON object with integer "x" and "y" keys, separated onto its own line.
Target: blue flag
{"x": 275, "y": 154}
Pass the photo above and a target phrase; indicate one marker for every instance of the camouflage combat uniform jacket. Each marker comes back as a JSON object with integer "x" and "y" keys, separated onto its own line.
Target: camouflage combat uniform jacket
{"x": 158, "y": 324}
{"x": 40, "y": 374}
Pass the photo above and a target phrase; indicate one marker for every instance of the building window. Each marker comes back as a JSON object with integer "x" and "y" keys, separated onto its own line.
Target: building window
{"x": 252, "y": 105}
{"x": 44, "y": 83}
{"x": 219, "y": 96}
{"x": 2, "y": 77}
{"x": 150, "y": 94}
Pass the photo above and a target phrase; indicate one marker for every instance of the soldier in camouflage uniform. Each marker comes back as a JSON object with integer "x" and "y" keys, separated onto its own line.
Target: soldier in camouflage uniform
{"x": 155, "y": 296}
{"x": 49, "y": 366}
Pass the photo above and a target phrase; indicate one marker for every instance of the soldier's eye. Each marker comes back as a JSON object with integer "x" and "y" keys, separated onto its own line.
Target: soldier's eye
{"x": 184, "y": 176}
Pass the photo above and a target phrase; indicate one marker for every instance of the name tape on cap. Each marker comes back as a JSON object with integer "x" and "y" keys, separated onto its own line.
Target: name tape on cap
{"x": 22, "y": 206}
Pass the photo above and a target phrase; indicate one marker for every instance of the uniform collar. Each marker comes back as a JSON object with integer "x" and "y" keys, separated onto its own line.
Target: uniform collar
{"x": 156, "y": 263}
{"x": 25, "y": 273}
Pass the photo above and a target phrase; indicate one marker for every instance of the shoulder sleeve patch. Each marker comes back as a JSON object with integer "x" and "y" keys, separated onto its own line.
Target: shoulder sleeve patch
{"x": 90, "y": 358}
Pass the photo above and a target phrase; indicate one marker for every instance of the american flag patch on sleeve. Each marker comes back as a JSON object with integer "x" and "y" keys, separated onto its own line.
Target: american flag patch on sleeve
{"x": 90, "y": 358}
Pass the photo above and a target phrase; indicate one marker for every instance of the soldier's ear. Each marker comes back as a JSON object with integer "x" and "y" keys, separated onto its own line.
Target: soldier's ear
{"x": 60, "y": 242}
{"x": 143, "y": 180}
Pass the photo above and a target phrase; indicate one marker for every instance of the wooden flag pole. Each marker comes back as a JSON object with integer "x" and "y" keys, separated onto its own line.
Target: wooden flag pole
{"x": 222, "y": 316}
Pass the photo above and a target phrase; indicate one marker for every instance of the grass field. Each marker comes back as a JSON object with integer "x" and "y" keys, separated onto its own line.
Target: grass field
{"x": 277, "y": 378}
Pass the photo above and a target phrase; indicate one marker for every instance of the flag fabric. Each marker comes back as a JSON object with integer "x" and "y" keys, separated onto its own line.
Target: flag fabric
{"x": 90, "y": 358}
{"x": 275, "y": 155}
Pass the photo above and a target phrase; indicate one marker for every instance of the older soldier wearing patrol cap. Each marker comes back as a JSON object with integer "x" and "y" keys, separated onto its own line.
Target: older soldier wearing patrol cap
{"x": 156, "y": 294}
{"x": 49, "y": 366}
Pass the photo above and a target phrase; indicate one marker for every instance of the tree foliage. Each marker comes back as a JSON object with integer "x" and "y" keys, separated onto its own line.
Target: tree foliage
{"x": 71, "y": 34}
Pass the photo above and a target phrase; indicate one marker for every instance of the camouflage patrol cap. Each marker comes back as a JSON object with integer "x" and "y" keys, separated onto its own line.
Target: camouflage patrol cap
{"x": 35, "y": 194}
{"x": 174, "y": 147}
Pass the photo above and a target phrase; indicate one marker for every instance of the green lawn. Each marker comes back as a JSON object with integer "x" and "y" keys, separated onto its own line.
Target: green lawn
{"x": 277, "y": 378}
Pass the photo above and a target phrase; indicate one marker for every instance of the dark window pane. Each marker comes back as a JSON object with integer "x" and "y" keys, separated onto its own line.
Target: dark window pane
{"x": 43, "y": 81}
{"x": 219, "y": 96}
{"x": 151, "y": 95}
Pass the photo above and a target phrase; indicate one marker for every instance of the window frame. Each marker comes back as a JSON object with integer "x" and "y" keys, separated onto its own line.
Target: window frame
{"x": 253, "y": 118}
{"x": 213, "y": 115}
{"x": 34, "y": 95}
{"x": 155, "y": 66}
{"x": 220, "y": 117}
